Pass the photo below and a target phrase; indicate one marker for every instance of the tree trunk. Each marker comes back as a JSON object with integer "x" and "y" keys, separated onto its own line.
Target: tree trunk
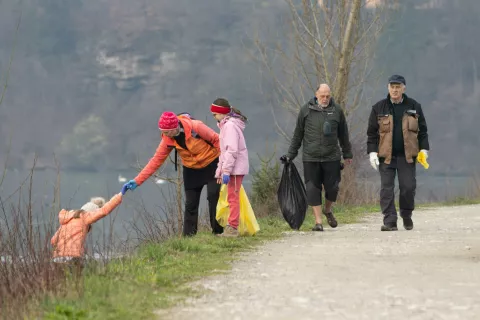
{"x": 343, "y": 71}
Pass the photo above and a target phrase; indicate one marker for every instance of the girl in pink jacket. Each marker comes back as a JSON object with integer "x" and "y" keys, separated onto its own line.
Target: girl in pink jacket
{"x": 233, "y": 162}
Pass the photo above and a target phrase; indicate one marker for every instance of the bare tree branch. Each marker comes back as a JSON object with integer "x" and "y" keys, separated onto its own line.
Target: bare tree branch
{"x": 344, "y": 66}
{"x": 325, "y": 41}
{"x": 328, "y": 41}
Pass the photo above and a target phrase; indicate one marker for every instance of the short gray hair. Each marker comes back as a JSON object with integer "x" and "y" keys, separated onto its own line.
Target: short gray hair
{"x": 404, "y": 85}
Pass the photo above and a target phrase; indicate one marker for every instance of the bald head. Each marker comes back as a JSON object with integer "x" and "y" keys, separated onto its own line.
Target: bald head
{"x": 323, "y": 95}
{"x": 323, "y": 86}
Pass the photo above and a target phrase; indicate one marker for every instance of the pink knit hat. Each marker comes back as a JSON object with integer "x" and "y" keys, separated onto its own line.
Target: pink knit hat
{"x": 168, "y": 121}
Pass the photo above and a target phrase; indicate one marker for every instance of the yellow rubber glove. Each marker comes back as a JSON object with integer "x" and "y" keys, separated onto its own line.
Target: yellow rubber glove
{"x": 422, "y": 158}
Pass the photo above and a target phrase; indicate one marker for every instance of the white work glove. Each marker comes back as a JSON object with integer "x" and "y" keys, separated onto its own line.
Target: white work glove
{"x": 374, "y": 160}
{"x": 426, "y": 153}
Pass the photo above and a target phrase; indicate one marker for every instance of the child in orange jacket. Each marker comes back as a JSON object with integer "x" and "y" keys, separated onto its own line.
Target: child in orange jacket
{"x": 69, "y": 240}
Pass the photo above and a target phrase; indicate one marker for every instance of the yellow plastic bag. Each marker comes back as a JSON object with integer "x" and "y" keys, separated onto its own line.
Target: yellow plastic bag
{"x": 248, "y": 224}
{"x": 422, "y": 159}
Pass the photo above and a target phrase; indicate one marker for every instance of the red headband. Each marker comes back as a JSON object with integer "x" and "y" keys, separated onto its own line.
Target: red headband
{"x": 219, "y": 109}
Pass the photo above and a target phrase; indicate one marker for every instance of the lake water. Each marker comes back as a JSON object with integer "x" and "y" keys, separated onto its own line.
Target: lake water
{"x": 77, "y": 188}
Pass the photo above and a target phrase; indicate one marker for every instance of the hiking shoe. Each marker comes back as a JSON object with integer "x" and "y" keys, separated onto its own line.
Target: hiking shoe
{"x": 229, "y": 232}
{"x": 332, "y": 222}
{"x": 318, "y": 227}
{"x": 408, "y": 223}
{"x": 389, "y": 227}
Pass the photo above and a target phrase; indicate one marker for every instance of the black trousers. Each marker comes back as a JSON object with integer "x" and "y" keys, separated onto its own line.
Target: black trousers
{"x": 407, "y": 182}
{"x": 192, "y": 202}
{"x": 317, "y": 174}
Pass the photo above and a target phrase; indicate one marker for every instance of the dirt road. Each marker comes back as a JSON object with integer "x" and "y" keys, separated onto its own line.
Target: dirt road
{"x": 354, "y": 272}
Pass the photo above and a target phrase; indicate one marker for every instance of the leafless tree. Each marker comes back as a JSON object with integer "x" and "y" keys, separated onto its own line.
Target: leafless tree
{"x": 329, "y": 41}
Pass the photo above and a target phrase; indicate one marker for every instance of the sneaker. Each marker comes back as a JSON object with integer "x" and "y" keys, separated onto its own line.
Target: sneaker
{"x": 389, "y": 227}
{"x": 229, "y": 232}
{"x": 332, "y": 222}
{"x": 408, "y": 223}
{"x": 317, "y": 227}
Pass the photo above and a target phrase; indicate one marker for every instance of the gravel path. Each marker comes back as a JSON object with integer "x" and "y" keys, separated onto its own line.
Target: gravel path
{"x": 354, "y": 272}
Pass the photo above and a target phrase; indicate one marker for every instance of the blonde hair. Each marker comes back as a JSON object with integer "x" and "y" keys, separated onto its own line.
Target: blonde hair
{"x": 77, "y": 213}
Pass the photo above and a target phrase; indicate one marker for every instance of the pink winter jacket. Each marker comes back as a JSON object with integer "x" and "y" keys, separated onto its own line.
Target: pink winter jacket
{"x": 233, "y": 149}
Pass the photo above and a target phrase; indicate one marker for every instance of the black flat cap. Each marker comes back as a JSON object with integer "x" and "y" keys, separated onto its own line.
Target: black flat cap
{"x": 397, "y": 79}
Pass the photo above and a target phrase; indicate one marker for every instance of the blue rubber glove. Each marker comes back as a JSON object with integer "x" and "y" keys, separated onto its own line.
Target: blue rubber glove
{"x": 225, "y": 178}
{"x": 124, "y": 189}
{"x": 130, "y": 185}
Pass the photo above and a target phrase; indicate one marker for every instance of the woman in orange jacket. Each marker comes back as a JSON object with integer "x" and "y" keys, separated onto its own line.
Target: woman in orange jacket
{"x": 199, "y": 148}
{"x": 69, "y": 240}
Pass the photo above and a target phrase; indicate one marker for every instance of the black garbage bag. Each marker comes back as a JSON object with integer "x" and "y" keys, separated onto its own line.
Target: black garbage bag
{"x": 292, "y": 196}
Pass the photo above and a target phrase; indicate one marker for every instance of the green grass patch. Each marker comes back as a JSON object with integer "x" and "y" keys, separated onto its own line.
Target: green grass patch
{"x": 352, "y": 214}
{"x": 459, "y": 201}
{"x": 155, "y": 276}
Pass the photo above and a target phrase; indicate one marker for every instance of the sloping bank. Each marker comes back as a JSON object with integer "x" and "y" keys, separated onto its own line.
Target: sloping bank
{"x": 155, "y": 276}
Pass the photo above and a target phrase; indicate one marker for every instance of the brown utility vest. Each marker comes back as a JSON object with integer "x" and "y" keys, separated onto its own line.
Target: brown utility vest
{"x": 410, "y": 136}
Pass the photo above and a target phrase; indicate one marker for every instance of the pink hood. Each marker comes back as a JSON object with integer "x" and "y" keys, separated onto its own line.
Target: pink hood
{"x": 233, "y": 149}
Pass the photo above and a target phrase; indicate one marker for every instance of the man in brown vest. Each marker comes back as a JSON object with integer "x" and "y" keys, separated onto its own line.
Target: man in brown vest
{"x": 397, "y": 132}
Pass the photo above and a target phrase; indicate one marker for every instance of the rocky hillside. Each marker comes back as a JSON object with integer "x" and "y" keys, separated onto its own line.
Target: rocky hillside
{"x": 90, "y": 79}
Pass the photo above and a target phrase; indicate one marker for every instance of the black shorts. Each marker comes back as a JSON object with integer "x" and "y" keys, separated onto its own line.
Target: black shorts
{"x": 318, "y": 174}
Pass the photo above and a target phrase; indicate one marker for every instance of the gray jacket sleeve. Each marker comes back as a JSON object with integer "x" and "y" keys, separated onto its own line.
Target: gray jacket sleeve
{"x": 297, "y": 135}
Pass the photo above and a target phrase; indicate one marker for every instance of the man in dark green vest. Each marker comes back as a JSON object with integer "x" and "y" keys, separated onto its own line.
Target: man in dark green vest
{"x": 321, "y": 125}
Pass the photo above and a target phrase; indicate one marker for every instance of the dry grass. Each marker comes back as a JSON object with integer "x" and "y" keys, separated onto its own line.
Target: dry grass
{"x": 25, "y": 269}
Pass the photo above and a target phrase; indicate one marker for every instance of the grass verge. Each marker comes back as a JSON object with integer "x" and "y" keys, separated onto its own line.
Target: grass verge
{"x": 155, "y": 277}
{"x": 459, "y": 201}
